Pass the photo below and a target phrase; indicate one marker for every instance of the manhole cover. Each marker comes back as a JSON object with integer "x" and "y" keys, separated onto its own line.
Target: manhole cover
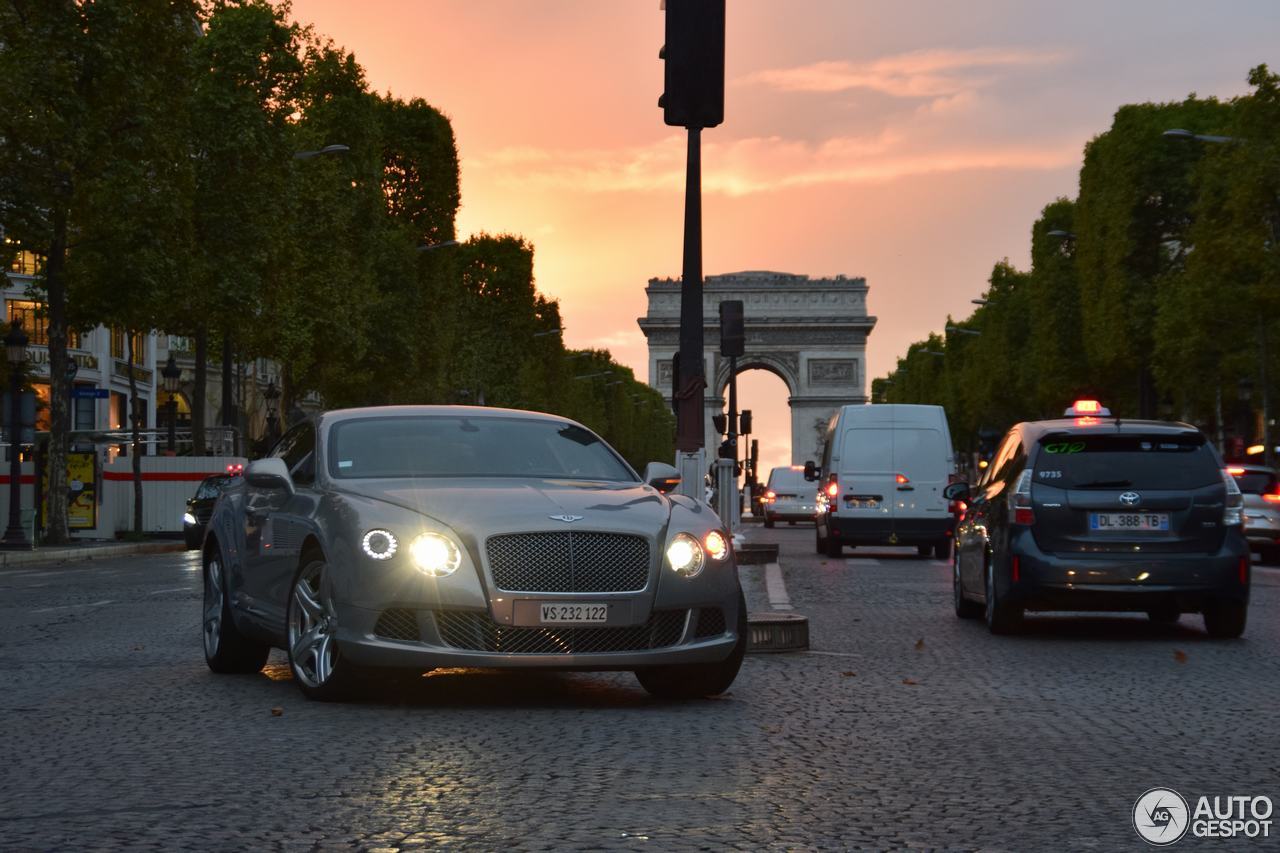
{"x": 777, "y": 632}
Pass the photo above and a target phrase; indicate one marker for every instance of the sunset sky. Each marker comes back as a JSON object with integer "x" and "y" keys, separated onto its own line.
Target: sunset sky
{"x": 913, "y": 143}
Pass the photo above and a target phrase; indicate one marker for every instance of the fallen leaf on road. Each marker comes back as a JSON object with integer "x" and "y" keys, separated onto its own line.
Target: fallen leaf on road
{"x": 137, "y": 648}
{"x": 909, "y": 681}
{"x": 920, "y": 644}
{"x": 848, "y": 673}
{"x": 1179, "y": 655}
{"x": 277, "y": 711}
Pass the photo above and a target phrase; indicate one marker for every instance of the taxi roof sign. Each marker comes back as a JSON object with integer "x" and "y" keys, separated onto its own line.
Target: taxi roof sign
{"x": 1087, "y": 408}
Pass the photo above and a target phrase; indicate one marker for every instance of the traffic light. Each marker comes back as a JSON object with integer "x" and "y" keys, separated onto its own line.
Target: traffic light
{"x": 721, "y": 423}
{"x": 693, "y": 56}
{"x": 733, "y": 337}
{"x": 744, "y": 422}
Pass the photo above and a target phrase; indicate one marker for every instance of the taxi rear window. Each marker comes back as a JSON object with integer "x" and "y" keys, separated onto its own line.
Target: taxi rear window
{"x": 1126, "y": 462}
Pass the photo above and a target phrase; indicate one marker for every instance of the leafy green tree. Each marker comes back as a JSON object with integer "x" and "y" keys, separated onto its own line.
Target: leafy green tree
{"x": 1132, "y": 218}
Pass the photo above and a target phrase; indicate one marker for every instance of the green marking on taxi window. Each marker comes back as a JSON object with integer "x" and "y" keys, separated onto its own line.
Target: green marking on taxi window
{"x": 1064, "y": 447}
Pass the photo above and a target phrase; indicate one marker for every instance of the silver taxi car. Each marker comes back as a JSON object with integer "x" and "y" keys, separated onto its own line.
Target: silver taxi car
{"x": 1261, "y": 489}
{"x": 416, "y": 537}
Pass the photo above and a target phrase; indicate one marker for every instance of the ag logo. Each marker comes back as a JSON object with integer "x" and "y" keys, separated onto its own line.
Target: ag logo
{"x": 1160, "y": 816}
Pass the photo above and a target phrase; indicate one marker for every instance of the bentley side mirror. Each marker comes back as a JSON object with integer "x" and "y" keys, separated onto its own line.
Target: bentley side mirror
{"x": 810, "y": 471}
{"x": 661, "y": 476}
{"x": 956, "y": 492}
{"x": 270, "y": 473}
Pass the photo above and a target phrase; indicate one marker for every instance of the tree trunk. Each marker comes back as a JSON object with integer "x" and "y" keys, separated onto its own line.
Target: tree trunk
{"x": 136, "y": 415}
{"x": 198, "y": 394}
{"x": 59, "y": 385}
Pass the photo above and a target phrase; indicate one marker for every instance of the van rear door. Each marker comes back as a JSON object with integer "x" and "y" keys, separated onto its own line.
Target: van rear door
{"x": 868, "y": 488}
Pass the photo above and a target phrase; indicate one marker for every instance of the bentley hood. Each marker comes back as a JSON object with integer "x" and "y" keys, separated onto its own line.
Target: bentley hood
{"x": 486, "y": 506}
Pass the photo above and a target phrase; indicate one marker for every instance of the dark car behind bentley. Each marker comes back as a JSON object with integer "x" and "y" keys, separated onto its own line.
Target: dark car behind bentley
{"x": 200, "y": 508}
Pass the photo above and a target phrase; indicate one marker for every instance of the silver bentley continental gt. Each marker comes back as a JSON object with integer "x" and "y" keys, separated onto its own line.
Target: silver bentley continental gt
{"x": 406, "y": 538}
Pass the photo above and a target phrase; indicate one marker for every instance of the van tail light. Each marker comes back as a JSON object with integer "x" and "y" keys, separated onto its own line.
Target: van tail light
{"x": 957, "y": 508}
{"x": 902, "y": 479}
{"x": 1233, "y": 508}
{"x": 1016, "y": 568}
{"x": 833, "y": 487}
{"x": 1020, "y": 511}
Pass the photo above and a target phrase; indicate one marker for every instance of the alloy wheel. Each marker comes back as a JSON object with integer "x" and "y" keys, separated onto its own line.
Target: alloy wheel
{"x": 213, "y": 601}
{"x": 313, "y": 621}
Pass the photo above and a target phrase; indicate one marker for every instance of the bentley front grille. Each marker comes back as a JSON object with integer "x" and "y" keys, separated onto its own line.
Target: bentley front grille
{"x": 478, "y": 632}
{"x": 568, "y": 562}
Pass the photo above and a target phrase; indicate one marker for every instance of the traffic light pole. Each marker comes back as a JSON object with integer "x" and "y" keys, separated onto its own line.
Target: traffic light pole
{"x": 690, "y": 392}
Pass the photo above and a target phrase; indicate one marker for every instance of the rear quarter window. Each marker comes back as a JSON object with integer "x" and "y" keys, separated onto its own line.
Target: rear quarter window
{"x": 1126, "y": 462}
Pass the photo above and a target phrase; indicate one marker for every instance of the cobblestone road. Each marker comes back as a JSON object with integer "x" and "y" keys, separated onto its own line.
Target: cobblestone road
{"x": 904, "y": 727}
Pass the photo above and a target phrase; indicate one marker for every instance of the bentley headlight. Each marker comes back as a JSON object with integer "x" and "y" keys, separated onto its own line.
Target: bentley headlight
{"x": 435, "y": 555}
{"x": 379, "y": 544}
{"x": 685, "y": 555}
{"x": 717, "y": 546}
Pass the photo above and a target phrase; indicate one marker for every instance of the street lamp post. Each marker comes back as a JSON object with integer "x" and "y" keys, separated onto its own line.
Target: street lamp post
{"x": 15, "y": 537}
{"x": 172, "y": 376}
{"x": 272, "y": 396}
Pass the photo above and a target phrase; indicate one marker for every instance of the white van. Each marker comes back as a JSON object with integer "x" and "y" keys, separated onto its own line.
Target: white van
{"x": 881, "y": 479}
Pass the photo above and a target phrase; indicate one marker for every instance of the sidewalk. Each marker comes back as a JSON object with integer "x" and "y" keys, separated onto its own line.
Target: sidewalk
{"x": 88, "y": 550}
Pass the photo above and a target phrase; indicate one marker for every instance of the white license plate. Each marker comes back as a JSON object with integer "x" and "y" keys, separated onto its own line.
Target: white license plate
{"x": 561, "y": 612}
{"x": 1106, "y": 522}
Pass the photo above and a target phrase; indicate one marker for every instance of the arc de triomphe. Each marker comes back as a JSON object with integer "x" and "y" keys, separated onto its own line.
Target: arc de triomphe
{"x": 810, "y": 332}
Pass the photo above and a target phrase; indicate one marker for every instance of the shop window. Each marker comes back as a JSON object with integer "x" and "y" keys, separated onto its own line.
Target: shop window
{"x": 118, "y": 346}
{"x": 35, "y": 323}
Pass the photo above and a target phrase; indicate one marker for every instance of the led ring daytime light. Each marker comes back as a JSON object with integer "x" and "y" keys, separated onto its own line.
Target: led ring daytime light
{"x": 379, "y": 544}
{"x": 685, "y": 555}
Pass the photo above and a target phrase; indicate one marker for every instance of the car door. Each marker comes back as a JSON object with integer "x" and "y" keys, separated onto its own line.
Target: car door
{"x": 276, "y": 524}
{"x": 984, "y": 502}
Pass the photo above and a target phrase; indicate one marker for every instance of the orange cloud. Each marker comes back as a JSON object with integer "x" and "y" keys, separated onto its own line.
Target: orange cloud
{"x": 759, "y": 164}
{"x": 917, "y": 74}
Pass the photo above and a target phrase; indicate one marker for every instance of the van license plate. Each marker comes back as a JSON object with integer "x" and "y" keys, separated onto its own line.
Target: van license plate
{"x": 1123, "y": 522}
{"x": 559, "y": 613}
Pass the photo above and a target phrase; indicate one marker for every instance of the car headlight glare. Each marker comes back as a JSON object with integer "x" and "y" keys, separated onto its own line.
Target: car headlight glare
{"x": 685, "y": 555}
{"x": 435, "y": 555}
{"x": 717, "y": 546}
{"x": 188, "y": 518}
{"x": 379, "y": 544}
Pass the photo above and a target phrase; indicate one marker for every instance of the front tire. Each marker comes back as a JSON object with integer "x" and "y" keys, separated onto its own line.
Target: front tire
{"x": 696, "y": 680}
{"x": 1225, "y": 620}
{"x": 226, "y": 650}
{"x": 315, "y": 657}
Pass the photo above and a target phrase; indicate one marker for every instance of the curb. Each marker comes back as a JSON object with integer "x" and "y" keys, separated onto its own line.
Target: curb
{"x": 86, "y": 552}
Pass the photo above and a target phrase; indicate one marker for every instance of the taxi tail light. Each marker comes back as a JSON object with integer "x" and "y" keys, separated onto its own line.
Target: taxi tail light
{"x": 1272, "y": 497}
{"x": 957, "y": 508}
{"x": 1020, "y": 510}
{"x": 1233, "y": 506}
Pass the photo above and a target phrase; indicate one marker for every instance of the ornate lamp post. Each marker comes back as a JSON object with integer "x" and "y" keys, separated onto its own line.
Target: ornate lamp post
{"x": 172, "y": 377}
{"x": 272, "y": 396}
{"x": 15, "y": 537}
